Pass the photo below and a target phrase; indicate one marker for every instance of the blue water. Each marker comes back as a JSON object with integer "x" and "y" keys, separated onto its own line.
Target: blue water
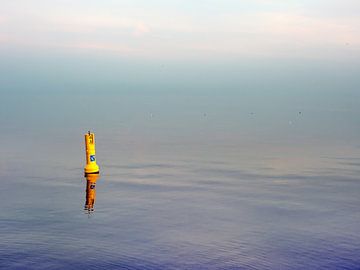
{"x": 210, "y": 168}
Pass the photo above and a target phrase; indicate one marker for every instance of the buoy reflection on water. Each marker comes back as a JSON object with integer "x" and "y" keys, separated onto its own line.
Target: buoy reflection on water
{"x": 90, "y": 192}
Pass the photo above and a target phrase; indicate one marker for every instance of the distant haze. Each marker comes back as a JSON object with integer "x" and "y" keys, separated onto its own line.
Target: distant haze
{"x": 178, "y": 29}
{"x": 249, "y": 71}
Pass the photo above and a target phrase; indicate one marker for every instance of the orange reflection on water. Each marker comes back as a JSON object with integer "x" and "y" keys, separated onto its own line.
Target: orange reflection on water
{"x": 90, "y": 192}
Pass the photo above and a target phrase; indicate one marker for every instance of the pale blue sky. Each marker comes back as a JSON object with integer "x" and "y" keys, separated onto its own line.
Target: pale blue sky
{"x": 177, "y": 29}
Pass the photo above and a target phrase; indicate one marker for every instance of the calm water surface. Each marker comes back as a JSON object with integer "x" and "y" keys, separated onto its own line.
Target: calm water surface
{"x": 188, "y": 180}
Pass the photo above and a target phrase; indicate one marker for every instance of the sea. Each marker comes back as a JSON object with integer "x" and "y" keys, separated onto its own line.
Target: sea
{"x": 204, "y": 164}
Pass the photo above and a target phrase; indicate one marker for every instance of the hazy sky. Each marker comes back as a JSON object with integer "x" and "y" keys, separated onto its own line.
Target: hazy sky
{"x": 184, "y": 28}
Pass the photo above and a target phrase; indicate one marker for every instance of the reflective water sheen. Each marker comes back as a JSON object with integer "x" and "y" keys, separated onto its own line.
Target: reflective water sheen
{"x": 208, "y": 178}
{"x": 222, "y": 210}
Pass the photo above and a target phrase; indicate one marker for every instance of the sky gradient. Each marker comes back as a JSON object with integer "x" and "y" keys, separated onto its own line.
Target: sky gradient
{"x": 185, "y": 29}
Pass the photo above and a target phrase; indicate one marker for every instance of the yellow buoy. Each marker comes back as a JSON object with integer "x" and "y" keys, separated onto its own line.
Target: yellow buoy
{"x": 91, "y": 166}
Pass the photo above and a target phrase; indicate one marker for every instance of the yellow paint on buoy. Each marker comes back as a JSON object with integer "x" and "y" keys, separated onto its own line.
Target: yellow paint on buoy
{"x": 91, "y": 166}
{"x": 90, "y": 191}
